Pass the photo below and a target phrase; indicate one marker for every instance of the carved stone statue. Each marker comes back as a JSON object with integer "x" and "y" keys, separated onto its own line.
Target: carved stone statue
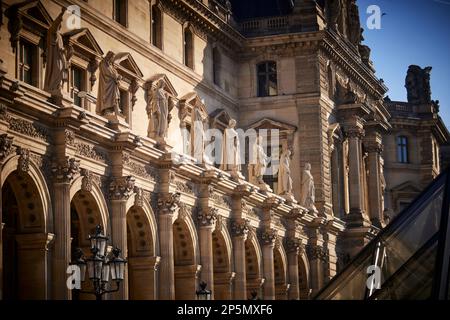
{"x": 258, "y": 168}
{"x": 198, "y": 135}
{"x": 231, "y": 151}
{"x": 417, "y": 83}
{"x": 333, "y": 8}
{"x": 56, "y": 69}
{"x": 354, "y": 26}
{"x": 108, "y": 98}
{"x": 308, "y": 196}
{"x": 160, "y": 111}
{"x": 284, "y": 174}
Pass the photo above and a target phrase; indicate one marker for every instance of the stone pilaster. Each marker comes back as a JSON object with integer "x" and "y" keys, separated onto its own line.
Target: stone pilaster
{"x": 206, "y": 221}
{"x": 120, "y": 190}
{"x": 293, "y": 249}
{"x": 239, "y": 231}
{"x": 167, "y": 204}
{"x": 373, "y": 146}
{"x": 6, "y": 148}
{"x": 63, "y": 173}
{"x": 354, "y": 132}
{"x": 268, "y": 238}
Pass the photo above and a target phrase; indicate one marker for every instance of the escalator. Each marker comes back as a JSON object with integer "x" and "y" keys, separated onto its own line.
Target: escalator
{"x": 409, "y": 259}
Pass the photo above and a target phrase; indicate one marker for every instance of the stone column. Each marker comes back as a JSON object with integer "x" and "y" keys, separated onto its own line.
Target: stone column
{"x": 120, "y": 189}
{"x": 374, "y": 147}
{"x": 239, "y": 230}
{"x": 207, "y": 219}
{"x": 293, "y": 248}
{"x": 167, "y": 204}
{"x": 63, "y": 173}
{"x": 268, "y": 238}
{"x": 357, "y": 216}
{"x": 32, "y": 261}
{"x": 5, "y": 149}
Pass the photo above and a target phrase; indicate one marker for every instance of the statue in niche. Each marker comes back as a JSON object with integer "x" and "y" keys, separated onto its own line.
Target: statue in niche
{"x": 158, "y": 112}
{"x": 334, "y": 9}
{"x": 284, "y": 174}
{"x": 108, "y": 98}
{"x": 417, "y": 83}
{"x": 258, "y": 168}
{"x": 57, "y": 65}
{"x": 308, "y": 197}
{"x": 231, "y": 151}
{"x": 354, "y": 26}
{"x": 198, "y": 135}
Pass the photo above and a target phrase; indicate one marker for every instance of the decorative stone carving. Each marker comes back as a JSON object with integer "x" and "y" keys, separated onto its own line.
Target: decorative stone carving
{"x": 121, "y": 188}
{"x": 70, "y": 137}
{"x": 140, "y": 170}
{"x": 207, "y": 216}
{"x": 3, "y": 112}
{"x": 168, "y": 202}
{"x": 6, "y": 147}
{"x": 417, "y": 84}
{"x": 354, "y": 132}
{"x": 334, "y": 11}
{"x": 293, "y": 244}
{"x": 86, "y": 181}
{"x": 138, "y": 197}
{"x": 65, "y": 171}
{"x": 57, "y": 63}
{"x": 92, "y": 68}
{"x": 134, "y": 86}
{"x": 354, "y": 26}
{"x": 185, "y": 187}
{"x": 23, "y": 164}
{"x": 198, "y": 135}
{"x": 316, "y": 252}
{"x": 240, "y": 227}
{"x": 269, "y": 236}
{"x": 28, "y": 128}
{"x": 308, "y": 190}
{"x": 89, "y": 151}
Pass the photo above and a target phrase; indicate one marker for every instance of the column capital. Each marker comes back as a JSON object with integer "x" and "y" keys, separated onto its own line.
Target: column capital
{"x": 316, "y": 252}
{"x": 354, "y": 132}
{"x": 373, "y": 147}
{"x": 240, "y": 227}
{"x": 168, "y": 202}
{"x": 63, "y": 170}
{"x": 121, "y": 188}
{"x": 34, "y": 241}
{"x": 269, "y": 236}
{"x": 207, "y": 216}
{"x": 294, "y": 245}
{"x": 271, "y": 203}
{"x": 6, "y": 147}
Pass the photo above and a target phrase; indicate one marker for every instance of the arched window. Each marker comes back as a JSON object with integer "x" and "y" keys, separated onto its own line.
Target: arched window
{"x": 156, "y": 27}
{"x": 188, "y": 48}
{"x": 267, "y": 78}
{"x": 402, "y": 149}
{"x": 216, "y": 66}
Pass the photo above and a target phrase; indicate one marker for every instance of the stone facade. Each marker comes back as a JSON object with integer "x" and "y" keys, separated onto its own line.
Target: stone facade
{"x": 66, "y": 166}
{"x": 413, "y": 147}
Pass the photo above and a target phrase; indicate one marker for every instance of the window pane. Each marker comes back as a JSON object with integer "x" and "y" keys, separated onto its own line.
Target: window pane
{"x": 262, "y": 68}
{"x": 262, "y": 86}
{"x": 272, "y": 66}
{"x": 123, "y": 100}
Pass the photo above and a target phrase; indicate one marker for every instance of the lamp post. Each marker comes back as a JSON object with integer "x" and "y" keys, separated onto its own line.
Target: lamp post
{"x": 100, "y": 265}
{"x": 203, "y": 293}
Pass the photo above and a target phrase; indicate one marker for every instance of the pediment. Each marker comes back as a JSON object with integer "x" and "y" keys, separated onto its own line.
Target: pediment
{"x": 83, "y": 39}
{"x": 154, "y": 80}
{"x": 129, "y": 66}
{"x": 407, "y": 186}
{"x": 33, "y": 11}
{"x": 219, "y": 118}
{"x": 267, "y": 123}
{"x": 192, "y": 99}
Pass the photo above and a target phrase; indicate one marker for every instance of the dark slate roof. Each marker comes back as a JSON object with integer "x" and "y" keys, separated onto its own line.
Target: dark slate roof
{"x": 249, "y": 9}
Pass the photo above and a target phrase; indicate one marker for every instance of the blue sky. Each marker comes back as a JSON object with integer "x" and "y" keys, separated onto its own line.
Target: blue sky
{"x": 412, "y": 32}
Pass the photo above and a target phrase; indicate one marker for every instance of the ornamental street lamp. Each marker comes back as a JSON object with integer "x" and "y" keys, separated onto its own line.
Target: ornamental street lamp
{"x": 203, "y": 293}
{"x": 100, "y": 265}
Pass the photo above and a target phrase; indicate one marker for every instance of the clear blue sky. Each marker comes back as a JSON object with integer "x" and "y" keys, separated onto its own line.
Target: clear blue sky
{"x": 412, "y": 32}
